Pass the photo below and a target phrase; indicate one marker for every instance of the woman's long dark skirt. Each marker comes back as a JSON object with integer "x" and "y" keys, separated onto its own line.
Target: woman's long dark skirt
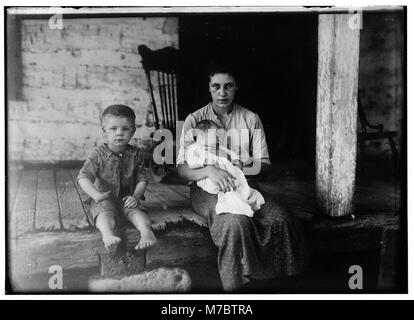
{"x": 269, "y": 245}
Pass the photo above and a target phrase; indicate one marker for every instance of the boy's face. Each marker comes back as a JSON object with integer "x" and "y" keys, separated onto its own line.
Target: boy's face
{"x": 118, "y": 131}
{"x": 222, "y": 89}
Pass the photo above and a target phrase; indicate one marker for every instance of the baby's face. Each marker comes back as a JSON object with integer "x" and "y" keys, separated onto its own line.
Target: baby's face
{"x": 118, "y": 131}
{"x": 207, "y": 138}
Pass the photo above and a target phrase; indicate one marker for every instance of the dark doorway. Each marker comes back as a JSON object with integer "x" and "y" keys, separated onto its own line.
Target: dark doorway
{"x": 275, "y": 56}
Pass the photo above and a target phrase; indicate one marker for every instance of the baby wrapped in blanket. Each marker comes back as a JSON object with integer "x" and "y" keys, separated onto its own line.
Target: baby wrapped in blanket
{"x": 244, "y": 200}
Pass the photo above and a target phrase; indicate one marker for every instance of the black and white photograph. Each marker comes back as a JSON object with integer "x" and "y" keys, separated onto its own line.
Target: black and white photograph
{"x": 206, "y": 150}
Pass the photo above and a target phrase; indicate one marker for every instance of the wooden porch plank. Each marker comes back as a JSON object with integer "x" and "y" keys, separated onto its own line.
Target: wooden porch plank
{"x": 47, "y": 215}
{"x": 302, "y": 206}
{"x": 377, "y": 197}
{"x": 151, "y": 201}
{"x": 303, "y": 190}
{"x": 171, "y": 198}
{"x": 34, "y": 253}
{"x": 177, "y": 205}
{"x": 365, "y": 204}
{"x": 85, "y": 200}
{"x": 13, "y": 185}
{"x": 378, "y": 191}
{"x": 23, "y": 213}
{"x": 301, "y": 198}
{"x": 71, "y": 209}
{"x": 181, "y": 189}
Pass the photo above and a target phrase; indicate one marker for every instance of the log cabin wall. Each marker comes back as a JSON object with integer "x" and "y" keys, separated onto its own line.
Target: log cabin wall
{"x": 63, "y": 79}
{"x": 69, "y": 76}
{"x": 381, "y": 75}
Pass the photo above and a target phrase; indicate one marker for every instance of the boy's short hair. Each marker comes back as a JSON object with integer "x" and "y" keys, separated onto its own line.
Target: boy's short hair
{"x": 206, "y": 124}
{"x": 119, "y": 110}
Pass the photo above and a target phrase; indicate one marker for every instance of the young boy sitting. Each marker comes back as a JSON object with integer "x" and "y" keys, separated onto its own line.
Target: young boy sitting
{"x": 244, "y": 200}
{"x": 114, "y": 177}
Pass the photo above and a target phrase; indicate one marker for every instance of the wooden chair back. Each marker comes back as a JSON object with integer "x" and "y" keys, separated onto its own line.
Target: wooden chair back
{"x": 163, "y": 65}
{"x": 363, "y": 118}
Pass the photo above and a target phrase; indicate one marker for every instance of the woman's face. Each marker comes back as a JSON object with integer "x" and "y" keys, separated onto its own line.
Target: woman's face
{"x": 222, "y": 89}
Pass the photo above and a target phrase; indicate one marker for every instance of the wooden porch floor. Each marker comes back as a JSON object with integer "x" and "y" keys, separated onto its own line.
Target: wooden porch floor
{"x": 48, "y": 209}
{"x": 50, "y": 200}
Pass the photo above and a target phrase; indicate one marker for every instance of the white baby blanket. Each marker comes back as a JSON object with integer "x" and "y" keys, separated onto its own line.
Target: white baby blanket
{"x": 244, "y": 200}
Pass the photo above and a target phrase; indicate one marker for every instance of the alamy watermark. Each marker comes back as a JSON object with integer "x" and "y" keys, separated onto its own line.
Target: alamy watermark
{"x": 357, "y": 278}
{"x": 235, "y": 139}
{"x": 355, "y": 21}
{"x": 56, "y": 21}
{"x": 56, "y": 280}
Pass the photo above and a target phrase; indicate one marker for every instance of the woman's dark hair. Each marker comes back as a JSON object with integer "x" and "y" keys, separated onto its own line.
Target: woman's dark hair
{"x": 119, "y": 110}
{"x": 224, "y": 68}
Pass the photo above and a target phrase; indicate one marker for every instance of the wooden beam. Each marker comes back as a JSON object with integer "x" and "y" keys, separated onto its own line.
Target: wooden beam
{"x": 338, "y": 50}
{"x": 181, "y": 244}
{"x": 36, "y": 253}
{"x": 163, "y": 192}
{"x": 71, "y": 13}
{"x": 33, "y": 253}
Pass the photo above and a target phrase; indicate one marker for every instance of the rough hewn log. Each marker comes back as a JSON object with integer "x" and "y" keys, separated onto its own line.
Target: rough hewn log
{"x": 180, "y": 244}
{"x": 338, "y": 49}
{"x": 122, "y": 263}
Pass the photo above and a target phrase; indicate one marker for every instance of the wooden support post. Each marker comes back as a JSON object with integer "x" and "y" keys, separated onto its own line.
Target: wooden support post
{"x": 338, "y": 50}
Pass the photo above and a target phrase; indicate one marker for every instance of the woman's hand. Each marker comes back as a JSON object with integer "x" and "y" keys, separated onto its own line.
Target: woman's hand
{"x": 224, "y": 180}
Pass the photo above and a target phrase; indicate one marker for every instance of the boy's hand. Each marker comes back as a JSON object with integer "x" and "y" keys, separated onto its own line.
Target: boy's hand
{"x": 102, "y": 196}
{"x": 130, "y": 202}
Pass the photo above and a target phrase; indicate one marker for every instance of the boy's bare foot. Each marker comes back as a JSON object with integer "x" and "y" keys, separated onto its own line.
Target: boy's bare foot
{"x": 147, "y": 240}
{"x": 111, "y": 242}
